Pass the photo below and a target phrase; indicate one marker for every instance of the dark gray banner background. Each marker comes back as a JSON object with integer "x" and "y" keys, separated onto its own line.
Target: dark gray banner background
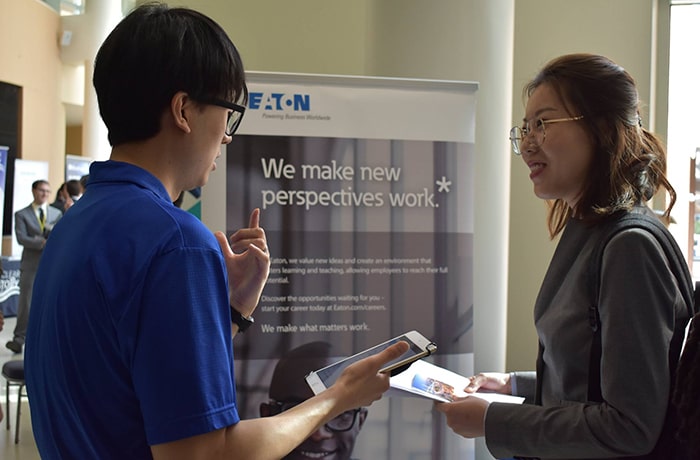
{"x": 369, "y": 239}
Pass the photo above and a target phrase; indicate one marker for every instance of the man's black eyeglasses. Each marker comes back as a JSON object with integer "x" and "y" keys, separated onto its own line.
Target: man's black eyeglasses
{"x": 234, "y": 116}
{"x": 343, "y": 422}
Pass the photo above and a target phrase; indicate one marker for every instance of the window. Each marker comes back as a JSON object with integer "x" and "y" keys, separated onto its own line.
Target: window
{"x": 684, "y": 119}
{"x": 72, "y": 7}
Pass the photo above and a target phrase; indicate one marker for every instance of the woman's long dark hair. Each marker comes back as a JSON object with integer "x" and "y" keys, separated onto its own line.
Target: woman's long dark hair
{"x": 629, "y": 164}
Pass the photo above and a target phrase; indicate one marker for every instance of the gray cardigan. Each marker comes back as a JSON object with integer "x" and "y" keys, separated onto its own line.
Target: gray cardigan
{"x": 639, "y": 303}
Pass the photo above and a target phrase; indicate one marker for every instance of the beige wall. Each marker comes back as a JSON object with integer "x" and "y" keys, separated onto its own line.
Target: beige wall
{"x": 74, "y": 140}
{"x": 29, "y": 55}
{"x": 304, "y": 36}
{"x": 29, "y": 58}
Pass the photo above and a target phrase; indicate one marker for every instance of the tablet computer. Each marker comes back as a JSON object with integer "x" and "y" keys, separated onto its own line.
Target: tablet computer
{"x": 419, "y": 347}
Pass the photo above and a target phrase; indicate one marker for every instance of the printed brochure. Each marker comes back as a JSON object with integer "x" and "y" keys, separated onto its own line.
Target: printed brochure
{"x": 434, "y": 382}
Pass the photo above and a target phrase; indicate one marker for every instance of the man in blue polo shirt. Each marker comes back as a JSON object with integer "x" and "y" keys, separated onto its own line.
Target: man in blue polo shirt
{"x": 129, "y": 351}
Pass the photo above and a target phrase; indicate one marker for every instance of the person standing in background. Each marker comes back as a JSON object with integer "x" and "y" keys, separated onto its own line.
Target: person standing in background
{"x": 32, "y": 227}
{"x": 74, "y": 190}
{"x": 60, "y": 201}
{"x": 84, "y": 180}
{"x": 68, "y": 194}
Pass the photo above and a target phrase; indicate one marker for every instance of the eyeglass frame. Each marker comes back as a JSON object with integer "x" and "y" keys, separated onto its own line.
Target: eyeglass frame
{"x": 515, "y": 141}
{"x": 280, "y": 407}
{"x": 234, "y": 108}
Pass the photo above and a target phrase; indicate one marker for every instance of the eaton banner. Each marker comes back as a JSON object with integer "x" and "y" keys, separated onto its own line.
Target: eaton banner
{"x": 77, "y": 167}
{"x": 366, "y": 187}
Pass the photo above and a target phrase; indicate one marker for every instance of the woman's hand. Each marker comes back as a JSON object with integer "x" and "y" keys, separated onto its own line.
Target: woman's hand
{"x": 495, "y": 382}
{"x": 465, "y": 416}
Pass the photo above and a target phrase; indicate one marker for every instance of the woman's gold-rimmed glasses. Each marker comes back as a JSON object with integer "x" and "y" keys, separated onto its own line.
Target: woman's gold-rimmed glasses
{"x": 518, "y": 134}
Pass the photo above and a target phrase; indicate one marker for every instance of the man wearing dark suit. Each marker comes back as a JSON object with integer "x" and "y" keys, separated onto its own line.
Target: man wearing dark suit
{"x": 32, "y": 227}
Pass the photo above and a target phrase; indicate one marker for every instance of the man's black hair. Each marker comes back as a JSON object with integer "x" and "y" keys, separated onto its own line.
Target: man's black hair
{"x": 153, "y": 53}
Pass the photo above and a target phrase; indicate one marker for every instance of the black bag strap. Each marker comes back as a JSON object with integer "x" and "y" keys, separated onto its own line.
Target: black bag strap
{"x": 539, "y": 367}
{"x": 678, "y": 266}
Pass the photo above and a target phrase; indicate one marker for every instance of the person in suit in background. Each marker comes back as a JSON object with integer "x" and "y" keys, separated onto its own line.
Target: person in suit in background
{"x": 32, "y": 227}
{"x": 336, "y": 439}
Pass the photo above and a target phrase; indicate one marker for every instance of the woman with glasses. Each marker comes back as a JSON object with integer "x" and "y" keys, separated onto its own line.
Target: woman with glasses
{"x": 588, "y": 154}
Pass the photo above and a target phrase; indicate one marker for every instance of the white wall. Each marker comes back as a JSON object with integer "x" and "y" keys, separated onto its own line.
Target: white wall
{"x": 465, "y": 40}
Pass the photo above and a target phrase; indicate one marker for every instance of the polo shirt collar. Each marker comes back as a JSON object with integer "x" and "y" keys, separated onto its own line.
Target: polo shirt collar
{"x": 111, "y": 171}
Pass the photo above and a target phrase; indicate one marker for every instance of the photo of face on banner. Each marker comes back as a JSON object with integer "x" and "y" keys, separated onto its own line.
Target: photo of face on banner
{"x": 336, "y": 439}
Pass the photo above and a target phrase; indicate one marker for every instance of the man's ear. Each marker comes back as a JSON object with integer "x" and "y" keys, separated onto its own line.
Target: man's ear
{"x": 363, "y": 416}
{"x": 180, "y": 105}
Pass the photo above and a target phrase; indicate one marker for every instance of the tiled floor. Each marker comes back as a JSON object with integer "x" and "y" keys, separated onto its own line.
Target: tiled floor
{"x": 26, "y": 449}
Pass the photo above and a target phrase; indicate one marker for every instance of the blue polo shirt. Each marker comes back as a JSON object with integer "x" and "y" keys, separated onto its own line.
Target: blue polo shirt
{"x": 129, "y": 339}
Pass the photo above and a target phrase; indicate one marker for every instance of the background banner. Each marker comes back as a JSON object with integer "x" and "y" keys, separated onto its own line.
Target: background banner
{"x": 9, "y": 280}
{"x": 366, "y": 192}
{"x": 9, "y": 286}
{"x": 77, "y": 167}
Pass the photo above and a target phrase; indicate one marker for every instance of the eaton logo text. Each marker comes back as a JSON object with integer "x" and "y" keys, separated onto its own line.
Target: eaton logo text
{"x": 279, "y": 101}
